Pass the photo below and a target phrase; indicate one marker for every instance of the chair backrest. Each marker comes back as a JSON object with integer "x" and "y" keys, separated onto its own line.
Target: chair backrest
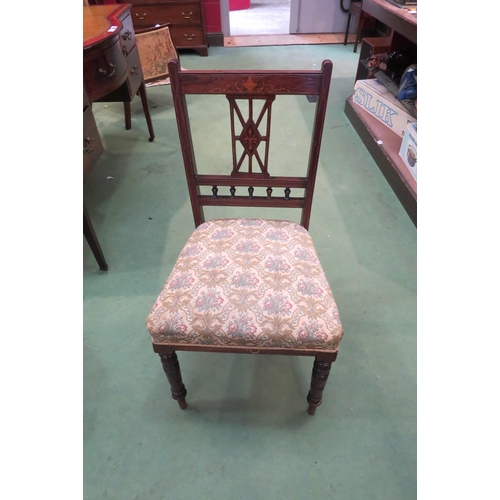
{"x": 155, "y": 48}
{"x": 250, "y": 136}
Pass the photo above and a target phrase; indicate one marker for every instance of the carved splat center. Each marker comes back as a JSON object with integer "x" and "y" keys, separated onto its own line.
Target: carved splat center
{"x": 250, "y": 138}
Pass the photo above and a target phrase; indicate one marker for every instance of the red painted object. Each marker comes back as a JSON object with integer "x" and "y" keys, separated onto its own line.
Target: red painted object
{"x": 239, "y": 4}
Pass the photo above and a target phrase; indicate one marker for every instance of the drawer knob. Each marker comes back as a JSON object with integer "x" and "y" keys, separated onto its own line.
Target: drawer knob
{"x": 135, "y": 70}
{"x": 89, "y": 144}
{"x": 141, "y": 18}
{"x": 187, "y": 16}
{"x": 127, "y": 35}
{"x": 110, "y": 72}
{"x": 189, "y": 37}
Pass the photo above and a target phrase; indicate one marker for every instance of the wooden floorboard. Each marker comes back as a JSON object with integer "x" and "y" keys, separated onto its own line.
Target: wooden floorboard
{"x": 263, "y": 40}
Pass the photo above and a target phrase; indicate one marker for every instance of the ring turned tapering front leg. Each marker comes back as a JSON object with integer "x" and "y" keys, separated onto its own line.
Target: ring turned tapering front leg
{"x": 320, "y": 372}
{"x": 172, "y": 370}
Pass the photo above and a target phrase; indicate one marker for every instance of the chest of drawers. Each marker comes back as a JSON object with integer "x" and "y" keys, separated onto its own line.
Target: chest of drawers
{"x": 187, "y": 21}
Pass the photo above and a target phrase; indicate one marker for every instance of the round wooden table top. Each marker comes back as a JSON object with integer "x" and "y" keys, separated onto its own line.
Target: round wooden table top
{"x": 100, "y": 22}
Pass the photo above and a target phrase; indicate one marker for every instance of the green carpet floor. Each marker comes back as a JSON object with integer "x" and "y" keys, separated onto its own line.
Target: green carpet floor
{"x": 246, "y": 433}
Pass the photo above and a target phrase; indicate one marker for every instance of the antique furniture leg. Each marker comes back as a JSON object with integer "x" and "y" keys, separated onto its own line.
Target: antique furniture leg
{"x": 320, "y": 372}
{"x": 172, "y": 370}
{"x": 91, "y": 237}
{"x": 128, "y": 118}
{"x": 361, "y": 22}
{"x": 145, "y": 106}
{"x": 356, "y": 10}
{"x": 347, "y": 27}
{"x": 128, "y": 115}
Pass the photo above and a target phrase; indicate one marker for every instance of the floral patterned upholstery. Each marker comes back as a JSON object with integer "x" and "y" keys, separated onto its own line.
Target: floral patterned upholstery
{"x": 247, "y": 283}
{"x": 155, "y": 50}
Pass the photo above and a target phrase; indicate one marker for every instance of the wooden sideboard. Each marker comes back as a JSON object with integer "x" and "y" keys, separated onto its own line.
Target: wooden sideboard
{"x": 112, "y": 69}
{"x": 187, "y": 19}
{"x": 112, "y": 72}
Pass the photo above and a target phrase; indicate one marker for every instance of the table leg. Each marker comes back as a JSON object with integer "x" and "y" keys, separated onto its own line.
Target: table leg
{"x": 145, "y": 107}
{"x": 91, "y": 237}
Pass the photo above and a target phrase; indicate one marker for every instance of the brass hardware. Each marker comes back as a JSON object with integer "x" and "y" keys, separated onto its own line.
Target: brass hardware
{"x": 188, "y": 16}
{"x": 141, "y": 18}
{"x": 135, "y": 70}
{"x": 127, "y": 35}
{"x": 125, "y": 51}
{"x": 106, "y": 72}
{"x": 89, "y": 140}
{"x": 189, "y": 37}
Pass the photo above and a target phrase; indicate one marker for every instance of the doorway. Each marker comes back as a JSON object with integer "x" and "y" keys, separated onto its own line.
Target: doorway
{"x": 264, "y": 17}
{"x": 291, "y": 20}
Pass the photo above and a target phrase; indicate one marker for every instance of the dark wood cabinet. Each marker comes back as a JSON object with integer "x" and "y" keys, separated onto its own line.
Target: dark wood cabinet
{"x": 92, "y": 143}
{"x": 112, "y": 70}
{"x": 187, "y": 21}
{"x": 92, "y": 149}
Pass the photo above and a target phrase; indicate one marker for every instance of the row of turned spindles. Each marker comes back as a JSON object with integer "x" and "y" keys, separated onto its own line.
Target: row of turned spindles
{"x": 232, "y": 190}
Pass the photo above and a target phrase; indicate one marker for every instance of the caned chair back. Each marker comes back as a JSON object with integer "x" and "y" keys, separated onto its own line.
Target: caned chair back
{"x": 250, "y": 182}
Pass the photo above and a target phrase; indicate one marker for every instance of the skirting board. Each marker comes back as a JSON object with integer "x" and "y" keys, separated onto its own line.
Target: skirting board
{"x": 308, "y": 39}
{"x": 215, "y": 39}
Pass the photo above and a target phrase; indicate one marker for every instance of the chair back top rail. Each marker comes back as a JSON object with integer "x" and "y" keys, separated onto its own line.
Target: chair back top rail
{"x": 252, "y": 83}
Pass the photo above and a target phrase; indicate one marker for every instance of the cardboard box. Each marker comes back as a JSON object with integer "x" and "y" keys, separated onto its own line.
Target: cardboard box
{"x": 408, "y": 151}
{"x": 377, "y": 100}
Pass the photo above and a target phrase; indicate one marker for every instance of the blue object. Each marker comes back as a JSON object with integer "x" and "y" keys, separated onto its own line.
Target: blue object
{"x": 408, "y": 84}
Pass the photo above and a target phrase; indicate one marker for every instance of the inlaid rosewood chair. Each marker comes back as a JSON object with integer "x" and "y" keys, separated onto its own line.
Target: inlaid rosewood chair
{"x": 248, "y": 285}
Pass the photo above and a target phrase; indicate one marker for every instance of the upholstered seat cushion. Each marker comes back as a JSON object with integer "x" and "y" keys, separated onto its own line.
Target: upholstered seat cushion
{"x": 248, "y": 283}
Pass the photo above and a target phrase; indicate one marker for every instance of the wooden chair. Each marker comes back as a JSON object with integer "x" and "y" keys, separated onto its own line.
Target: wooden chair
{"x": 155, "y": 48}
{"x": 248, "y": 285}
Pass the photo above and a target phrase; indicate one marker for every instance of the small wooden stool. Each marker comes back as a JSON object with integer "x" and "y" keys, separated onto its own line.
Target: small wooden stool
{"x": 355, "y": 9}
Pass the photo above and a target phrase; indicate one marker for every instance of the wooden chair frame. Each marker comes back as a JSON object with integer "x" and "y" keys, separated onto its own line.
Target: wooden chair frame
{"x": 262, "y": 84}
{"x": 250, "y": 85}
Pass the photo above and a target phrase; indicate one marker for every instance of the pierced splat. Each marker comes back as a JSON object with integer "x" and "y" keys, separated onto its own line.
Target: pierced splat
{"x": 250, "y": 136}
